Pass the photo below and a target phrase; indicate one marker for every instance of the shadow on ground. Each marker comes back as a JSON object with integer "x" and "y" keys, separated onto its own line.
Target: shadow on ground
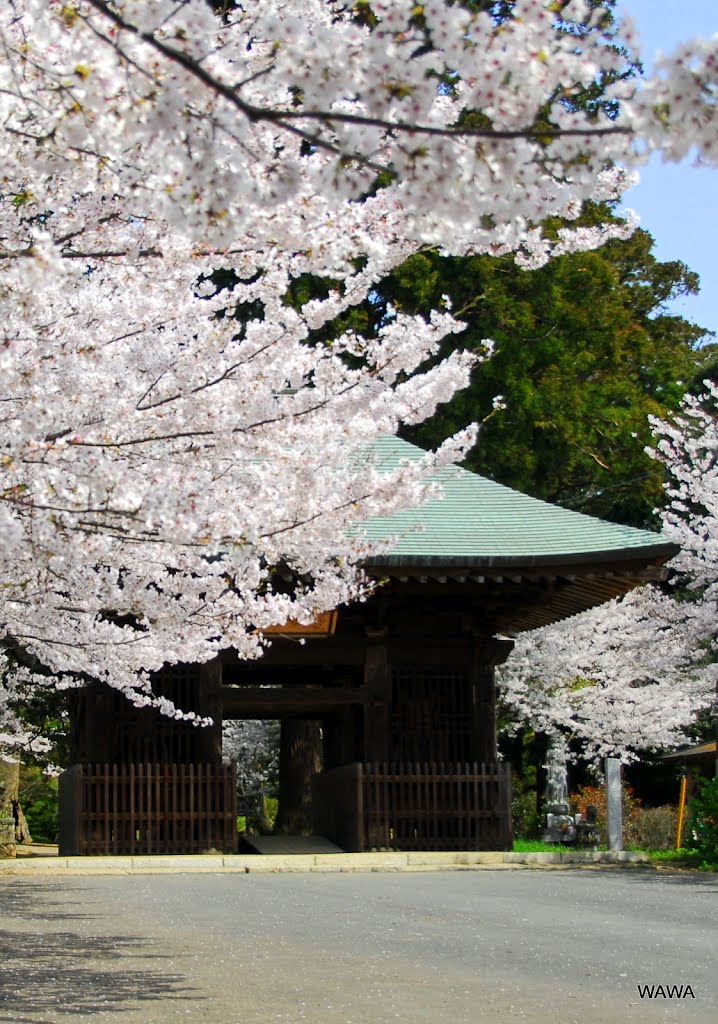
{"x": 31, "y": 899}
{"x": 49, "y": 972}
{"x": 706, "y": 881}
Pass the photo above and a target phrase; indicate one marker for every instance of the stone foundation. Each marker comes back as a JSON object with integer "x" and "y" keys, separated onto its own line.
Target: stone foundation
{"x": 7, "y": 837}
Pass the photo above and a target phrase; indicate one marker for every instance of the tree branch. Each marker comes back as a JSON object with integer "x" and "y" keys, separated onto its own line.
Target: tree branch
{"x": 281, "y": 117}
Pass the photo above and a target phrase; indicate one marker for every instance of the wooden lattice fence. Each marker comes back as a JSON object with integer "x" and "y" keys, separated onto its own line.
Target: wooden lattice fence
{"x": 437, "y": 806}
{"x": 416, "y": 806}
{"x": 148, "y": 809}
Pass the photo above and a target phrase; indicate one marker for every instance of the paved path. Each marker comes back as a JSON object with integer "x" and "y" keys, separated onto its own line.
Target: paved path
{"x": 280, "y": 846}
{"x": 557, "y": 947}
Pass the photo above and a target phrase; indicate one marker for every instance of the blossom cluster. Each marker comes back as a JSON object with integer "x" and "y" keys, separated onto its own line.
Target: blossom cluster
{"x": 252, "y": 745}
{"x": 618, "y": 680}
{"x": 688, "y": 447}
{"x": 227, "y": 129}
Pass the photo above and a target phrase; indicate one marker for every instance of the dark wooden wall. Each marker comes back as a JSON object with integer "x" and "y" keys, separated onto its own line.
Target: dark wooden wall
{"x": 108, "y": 728}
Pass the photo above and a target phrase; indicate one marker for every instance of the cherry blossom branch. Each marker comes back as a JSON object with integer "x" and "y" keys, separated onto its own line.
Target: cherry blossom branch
{"x": 280, "y": 116}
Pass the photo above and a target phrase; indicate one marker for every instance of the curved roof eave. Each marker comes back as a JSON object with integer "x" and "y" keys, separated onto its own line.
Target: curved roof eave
{"x": 480, "y": 524}
{"x": 657, "y": 554}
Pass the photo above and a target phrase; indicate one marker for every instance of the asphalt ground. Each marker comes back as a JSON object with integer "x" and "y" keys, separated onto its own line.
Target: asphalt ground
{"x": 462, "y": 947}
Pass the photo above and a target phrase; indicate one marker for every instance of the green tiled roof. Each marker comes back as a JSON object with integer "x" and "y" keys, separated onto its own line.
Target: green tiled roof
{"x": 482, "y": 523}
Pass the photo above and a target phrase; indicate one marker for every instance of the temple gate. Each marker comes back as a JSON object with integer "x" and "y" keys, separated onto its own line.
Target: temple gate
{"x": 402, "y": 686}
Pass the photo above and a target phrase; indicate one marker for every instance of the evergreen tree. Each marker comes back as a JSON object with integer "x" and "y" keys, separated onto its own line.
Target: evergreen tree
{"x": 585, "y": 352}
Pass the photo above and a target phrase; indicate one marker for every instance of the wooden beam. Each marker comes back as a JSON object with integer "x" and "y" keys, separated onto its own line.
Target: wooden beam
{"x": 302, "y": 665}
{"x": 280, "y": 702}
{"x": 323, "y": 654}
{"x": 210, "y": 706}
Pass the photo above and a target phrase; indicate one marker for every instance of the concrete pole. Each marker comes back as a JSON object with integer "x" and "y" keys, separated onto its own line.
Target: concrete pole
{"x": 614, "y": 803}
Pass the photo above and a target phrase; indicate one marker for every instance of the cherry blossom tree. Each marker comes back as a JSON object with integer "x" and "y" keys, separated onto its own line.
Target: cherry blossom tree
{"x": 618, "y": 680}
{"x": 254, "y": 747}
{"x": 181, "y": 460}
{"x": 689, "y": 449}
{"x": 635, "y": 674}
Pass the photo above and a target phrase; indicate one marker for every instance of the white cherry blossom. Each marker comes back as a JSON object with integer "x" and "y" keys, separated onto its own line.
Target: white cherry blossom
{"x": 635, "y": 674}
{"x": 163, "y": 465}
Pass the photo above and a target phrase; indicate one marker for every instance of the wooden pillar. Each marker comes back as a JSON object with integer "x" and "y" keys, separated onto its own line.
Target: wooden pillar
{"x": 300, "y": 758}
{"x": 487, "y": 655}
{"x": 377, "y": 712}
{"x": 339, "y": 728}
{"x": 339, "y": 741}
{"x": 210, "y": 706}
{"x": 92, "y": 729}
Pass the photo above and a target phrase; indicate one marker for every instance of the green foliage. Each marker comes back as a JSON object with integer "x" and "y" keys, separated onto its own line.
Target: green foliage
{"x": 704, "y": 823}
{"x": 584, "y": 353}
{"x": 536, "y": 846}
{"x": 271, "y": 806}
{"x": 46, "y": 713}
{"x": 38, "y": 799}
{"x": 674, "y": 858}
{"x": 261, "y": 819}
{"x": 523, "y": 809}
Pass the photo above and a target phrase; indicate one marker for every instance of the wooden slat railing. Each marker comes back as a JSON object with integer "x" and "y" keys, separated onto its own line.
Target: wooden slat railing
{"x": 437, "y": 806}
{"x": 415, "y": 806}
{"x": 148, "y": 809}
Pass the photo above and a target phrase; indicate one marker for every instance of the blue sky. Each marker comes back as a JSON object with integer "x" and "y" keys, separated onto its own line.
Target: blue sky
{"x": 678, "y": 204}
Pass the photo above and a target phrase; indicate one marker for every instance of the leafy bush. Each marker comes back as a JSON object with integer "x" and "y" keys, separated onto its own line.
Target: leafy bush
{"x": 271, "y": 805}
{"x": 259, "y": 814}
{"x": 523, "y": 809}
{"x": 654, "y": 828}
{"x": 704, "y": 823}
{"x": 595, "y": 796}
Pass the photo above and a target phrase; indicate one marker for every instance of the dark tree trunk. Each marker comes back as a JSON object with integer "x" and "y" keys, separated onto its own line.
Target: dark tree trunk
{"x": 300, "y": 758}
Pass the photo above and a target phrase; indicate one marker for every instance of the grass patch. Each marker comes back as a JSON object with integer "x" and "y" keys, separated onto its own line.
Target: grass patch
{"x": 536, "y": 846}
{"x": 661, "y": 858}
{"x": 680, "y": 859}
